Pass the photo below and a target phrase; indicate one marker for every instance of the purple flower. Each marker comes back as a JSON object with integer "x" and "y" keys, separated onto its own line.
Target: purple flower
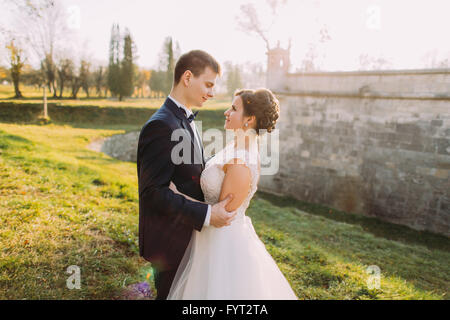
{"x": 143, "y": 288}
{"x": 138, "y": 291}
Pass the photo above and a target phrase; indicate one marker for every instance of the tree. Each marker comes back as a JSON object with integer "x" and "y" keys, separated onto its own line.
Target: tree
{"x": 251, "y": 24}
{"x": 313, "y": 59}
{"x": 99, "y": 78}
{"x": 64, "y": 69}
{"x": 170, "y": 65}
{"x": 43, "y": 24}
{"x": 30, "y": 6}
{"x": 253, "y": 21}
{"x": 32, "y": 77}
{"x": 367, "y": 62}
{"x": 16, "y": 66}
{"x": 75, "y": 85}
{"x": 253, "y": 74}
{"x": 142, "y": 81}
{"x": 3, "y": 73}
{"x": 114, "y": 61}
{"x": 85, "y": 76}
{"x": 166, "y": 67}
{"x": 121, "y": 72}
{"x": 249, "y": 21}
{"x": 432, "y": 59}
{"x": 75, "y": 82}
{"x": 49, "y": 70}
{"x": 157, "y": 82}
{"x": 126, "y": 84}
{"x": 309, "y": 61}
{"x": 234, "y": 78}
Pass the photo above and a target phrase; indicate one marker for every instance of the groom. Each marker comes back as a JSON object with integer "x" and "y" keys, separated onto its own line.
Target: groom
{"x": 167, "y": 219}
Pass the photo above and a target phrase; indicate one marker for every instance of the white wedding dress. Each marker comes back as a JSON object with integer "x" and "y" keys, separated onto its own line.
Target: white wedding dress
{"x": 229, "y": 262}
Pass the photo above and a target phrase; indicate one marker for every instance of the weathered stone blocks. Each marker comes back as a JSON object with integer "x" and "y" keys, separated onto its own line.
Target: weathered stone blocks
{"x": 385, "y": 157}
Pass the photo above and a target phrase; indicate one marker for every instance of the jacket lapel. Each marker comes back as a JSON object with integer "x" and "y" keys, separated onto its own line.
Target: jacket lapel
{"x": 185, "y": 124}
{"x": 201, "y": 143}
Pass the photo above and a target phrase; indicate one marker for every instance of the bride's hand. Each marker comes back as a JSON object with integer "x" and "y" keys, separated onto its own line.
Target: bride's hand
{"x": 175, "y": 190}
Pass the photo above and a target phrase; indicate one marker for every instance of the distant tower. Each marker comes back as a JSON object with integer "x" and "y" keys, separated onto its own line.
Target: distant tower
{"x": 278, "y": 64}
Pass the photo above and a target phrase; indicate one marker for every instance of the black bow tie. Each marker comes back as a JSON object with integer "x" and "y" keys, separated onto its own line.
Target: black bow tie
{"x": 191, "y": 117}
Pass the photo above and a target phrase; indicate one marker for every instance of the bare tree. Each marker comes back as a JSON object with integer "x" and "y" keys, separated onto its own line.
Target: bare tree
{"x": 64, "y": 70}
{"x": 75, "y": 82}
{"x": 43, "y": 25}
{"x": 85, "y": 76}
{"x": 49, "y": 70}
{"x": 252, "y": 21}
{"x": 309, "y": 61}
{"x": 253, "y": 74}
{"x": 31, "y": 7}
{"x": 32, "y": 77}
{"x": 249, "y": 21}
{"x": 432, "y": 59}
{"x": 367, "y": 62}
{"x": 15, "y": 56}
{"x": 99, "y": 78}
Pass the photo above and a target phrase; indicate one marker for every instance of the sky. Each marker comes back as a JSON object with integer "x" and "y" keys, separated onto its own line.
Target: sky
{"x": 402, "y": 32}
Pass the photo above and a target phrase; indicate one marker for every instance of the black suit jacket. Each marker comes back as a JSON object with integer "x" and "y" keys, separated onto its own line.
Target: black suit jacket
{"x": 166, "y": 219}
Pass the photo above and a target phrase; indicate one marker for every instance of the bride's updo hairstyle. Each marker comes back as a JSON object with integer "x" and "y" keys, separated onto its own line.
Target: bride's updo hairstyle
{"x": 262, "y": 104}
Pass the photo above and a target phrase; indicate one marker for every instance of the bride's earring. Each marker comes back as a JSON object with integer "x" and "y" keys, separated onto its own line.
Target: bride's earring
{"x": 246, "y": 124}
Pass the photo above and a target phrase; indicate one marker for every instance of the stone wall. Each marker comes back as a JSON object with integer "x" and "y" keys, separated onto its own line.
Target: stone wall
{"x": 372, "y": 143}
{"x": 418, "y": 84}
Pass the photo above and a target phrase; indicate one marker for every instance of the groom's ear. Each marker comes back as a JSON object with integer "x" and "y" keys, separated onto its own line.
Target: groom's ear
{"x": 186, "y": 77}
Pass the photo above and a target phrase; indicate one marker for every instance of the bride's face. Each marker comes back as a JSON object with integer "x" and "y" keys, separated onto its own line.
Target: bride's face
{"x": 234, "y": 116}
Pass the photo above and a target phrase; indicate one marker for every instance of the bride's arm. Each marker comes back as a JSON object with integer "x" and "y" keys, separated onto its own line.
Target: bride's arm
{"x": 174, "y": 189}
{"x": 237, "y": 181}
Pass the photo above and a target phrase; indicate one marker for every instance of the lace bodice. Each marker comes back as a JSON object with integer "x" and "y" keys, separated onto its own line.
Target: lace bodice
{"x": 212, "y": 176}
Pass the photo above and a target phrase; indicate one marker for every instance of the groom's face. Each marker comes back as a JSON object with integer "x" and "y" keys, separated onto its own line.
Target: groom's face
{"x": 201, "y": 87}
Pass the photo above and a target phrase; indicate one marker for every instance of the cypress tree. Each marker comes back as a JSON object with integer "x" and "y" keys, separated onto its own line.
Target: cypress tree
{"x": 114, "y": 61}
{"x": 126, "y": 68}
{"x": 170, "y": 66}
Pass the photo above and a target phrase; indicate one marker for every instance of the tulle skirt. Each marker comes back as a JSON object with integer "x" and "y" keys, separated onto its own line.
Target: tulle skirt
{"x": 229, "y": 263}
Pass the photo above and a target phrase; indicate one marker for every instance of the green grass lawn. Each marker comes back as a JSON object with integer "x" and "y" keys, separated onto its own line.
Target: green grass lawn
{"x": 62, "y": 204}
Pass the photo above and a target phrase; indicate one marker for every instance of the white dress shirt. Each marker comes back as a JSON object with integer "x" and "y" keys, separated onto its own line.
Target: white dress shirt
{"x": 197, "y": 139}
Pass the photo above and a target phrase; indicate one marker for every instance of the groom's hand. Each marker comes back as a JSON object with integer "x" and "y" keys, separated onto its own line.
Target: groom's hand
{"x": 220, "y": 217}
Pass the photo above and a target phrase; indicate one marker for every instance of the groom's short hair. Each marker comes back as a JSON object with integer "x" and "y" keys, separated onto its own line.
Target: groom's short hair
{"x": 196, "y": 61}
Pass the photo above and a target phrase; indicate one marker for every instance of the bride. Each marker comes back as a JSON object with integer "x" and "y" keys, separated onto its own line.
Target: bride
{"x": 232, "y": 262}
